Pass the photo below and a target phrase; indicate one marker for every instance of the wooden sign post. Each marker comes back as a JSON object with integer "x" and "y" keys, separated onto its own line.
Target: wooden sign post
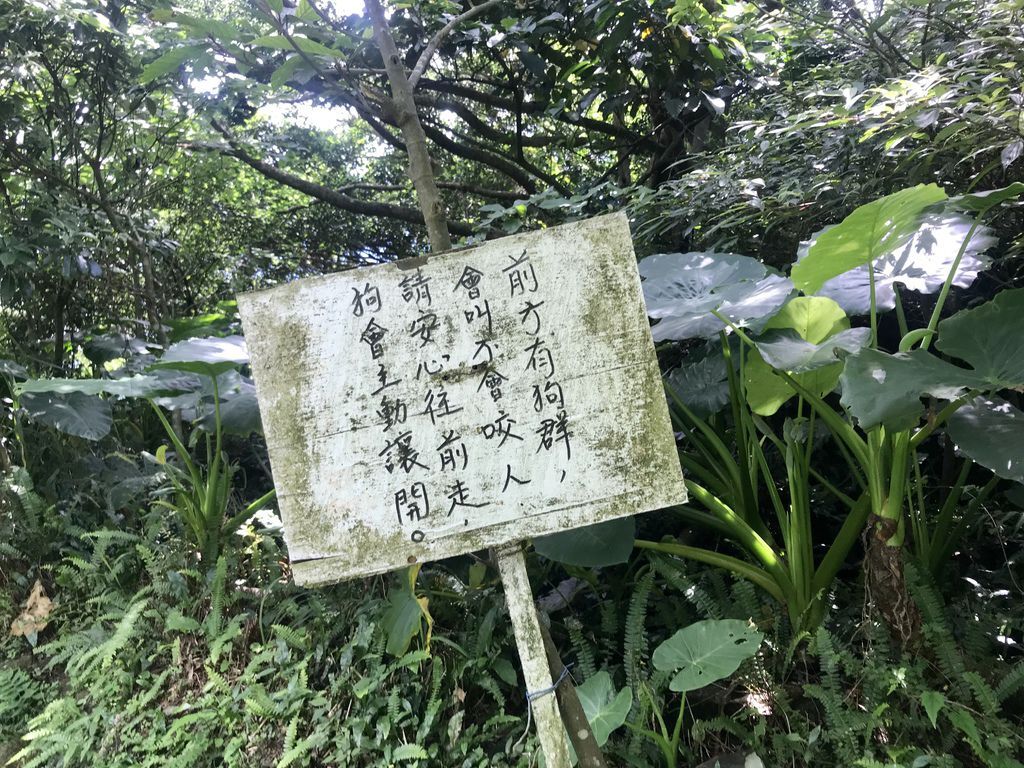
{"x": 428, "y": 408}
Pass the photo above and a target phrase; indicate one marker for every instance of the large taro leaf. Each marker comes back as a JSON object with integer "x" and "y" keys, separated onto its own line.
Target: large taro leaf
{"x": 979, "y": 202}
{"x": 593, "y": 546}
{"x": 103, "y": 348}
{"x": 990, "y": 337}
{"x": 679, "y": 283}
{"x": 239, "y": 410}
{"x": 705, "y": 652}
{"x": 210, "y": 356}
{"x": 13, "y": 369}
{"x": 804, "y": 339}
{"x": 74, "y": 413}
{"x": 787, "y": 351}
{"x": 684, "y": 290}
{"x": 871, "y": 231}
{"x": 879, "y": 388}
{"x": 701, "y": 381}
{"x": 401, "y": 621}
{"x": 605, "y": 709}
{"x": 131, "y": 386}
{"x": 920, "y": 264}
{"x": 991, "y": 432}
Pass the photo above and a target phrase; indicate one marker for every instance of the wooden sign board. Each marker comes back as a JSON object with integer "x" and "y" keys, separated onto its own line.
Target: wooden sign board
{"x": 428, "y": 408}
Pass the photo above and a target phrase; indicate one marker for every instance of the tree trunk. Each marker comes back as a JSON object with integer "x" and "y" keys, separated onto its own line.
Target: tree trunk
{"x": 886, "y": 583}
{"x": 420, "y": 170}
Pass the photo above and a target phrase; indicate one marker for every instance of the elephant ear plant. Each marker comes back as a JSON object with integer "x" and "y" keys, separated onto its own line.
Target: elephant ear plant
{"x": 800, "y": 350}
{"x": 197, "y": 378}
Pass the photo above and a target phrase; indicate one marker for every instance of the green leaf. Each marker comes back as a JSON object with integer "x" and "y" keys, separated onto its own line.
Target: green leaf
{"x": 966, "y": 724}
{"x": 74, "y": 413}
{"x": 979, "y": 202}
{"x": 607, "y": 543}
{"x": 803, "y": 339}
{"x": 879, "y": 388}
{"x": 197, "y": 26}
{"x": 170, "y": 61}
{"x": 933, "y": 701}
{"x": 605, "y": 709}
{"x": 503, "y": 668}
{"x": 701, "y": 382}
{"x": 296, "y": 42}
{"x": 210, "y": 356}
{"x": 786, "y": 351}
{"x": 990, "y": 337}
{"x": 705, "y": 652}
{"x": 139, "y": 385}
{"x": 410, "y": 752}
{"x": 870, "y": 231}
{"x": 285, "y": 72}
{"x": 991, "y": 432}
{"x": 176, "y": 621}
{"x": 402, "y": 620}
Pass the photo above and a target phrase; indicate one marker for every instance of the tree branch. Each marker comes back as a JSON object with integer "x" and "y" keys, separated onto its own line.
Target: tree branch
{"x": 424, "y": 60}
{"x": 420, "y": 169}
{"x": 323, "y": 193}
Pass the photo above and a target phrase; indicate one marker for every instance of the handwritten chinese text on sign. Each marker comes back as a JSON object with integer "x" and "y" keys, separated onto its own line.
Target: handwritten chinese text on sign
{"x": 419, "y": 410}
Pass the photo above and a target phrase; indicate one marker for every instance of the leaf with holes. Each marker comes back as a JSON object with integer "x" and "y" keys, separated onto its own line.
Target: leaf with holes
{"x": 706, "y": 651}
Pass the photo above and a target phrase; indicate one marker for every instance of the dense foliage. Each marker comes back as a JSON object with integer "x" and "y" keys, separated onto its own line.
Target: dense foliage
{"x": 825, "y": 194}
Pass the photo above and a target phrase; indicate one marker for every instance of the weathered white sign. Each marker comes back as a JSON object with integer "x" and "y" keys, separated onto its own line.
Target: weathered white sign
{"x": 427, "y": 408}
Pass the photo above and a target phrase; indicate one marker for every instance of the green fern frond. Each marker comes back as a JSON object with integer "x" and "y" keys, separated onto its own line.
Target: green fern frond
{"x": 1010, "y": 684}
{"x": 634, "y": 643}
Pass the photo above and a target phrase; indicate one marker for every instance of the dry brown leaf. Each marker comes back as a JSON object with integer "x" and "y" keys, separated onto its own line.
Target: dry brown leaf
{"x": 35, "y": 617}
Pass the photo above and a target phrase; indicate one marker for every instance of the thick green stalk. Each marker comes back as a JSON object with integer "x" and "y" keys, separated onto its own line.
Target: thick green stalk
{"x": 940, "y": 302}
{"x": 749, "y": 572}
{"x": 844, "y": 541}
{"x": 746, "y": 536}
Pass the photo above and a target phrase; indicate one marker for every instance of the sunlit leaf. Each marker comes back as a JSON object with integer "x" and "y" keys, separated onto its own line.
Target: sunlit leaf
{"x": 871, "y": 231}
{"x": 920, "y": 264}
{"x": 210, "y": 356}
{"x": 979, "y": 202}
{"x": 804, "y": 339}
{"x": 684, "y": 290}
